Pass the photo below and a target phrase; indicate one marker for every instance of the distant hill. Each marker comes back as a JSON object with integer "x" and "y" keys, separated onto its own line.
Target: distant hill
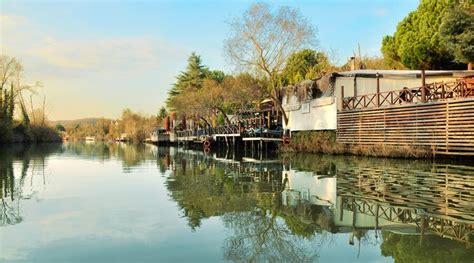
{"x": 70, "y": 123}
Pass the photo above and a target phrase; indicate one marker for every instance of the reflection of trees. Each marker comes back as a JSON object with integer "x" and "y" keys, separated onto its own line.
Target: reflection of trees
{"x": 260, "y": 236}
{"x": 248, "y": 197}
{"x": 32, "y": 157}
{"x": 10, "y": 213}
{"x": 203, "y": 190}
{"x": 405, "y": 248}
{"x": 131, "y": 155}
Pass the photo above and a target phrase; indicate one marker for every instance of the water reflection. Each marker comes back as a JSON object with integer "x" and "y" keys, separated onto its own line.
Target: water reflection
{"x": 283, "y": 208}
{"x": 130, "y": 155}
{"x": 412, "y": 208}
{"x": 20, "y": 165}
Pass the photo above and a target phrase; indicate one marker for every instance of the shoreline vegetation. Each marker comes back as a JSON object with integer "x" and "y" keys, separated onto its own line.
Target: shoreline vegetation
{"x": 325, "y": 142}
{"x": 21, "y": 121}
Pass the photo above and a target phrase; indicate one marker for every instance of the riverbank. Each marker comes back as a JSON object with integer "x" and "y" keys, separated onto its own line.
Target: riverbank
{"x": 325, "y": 142}
{"x": 29, "y": 134}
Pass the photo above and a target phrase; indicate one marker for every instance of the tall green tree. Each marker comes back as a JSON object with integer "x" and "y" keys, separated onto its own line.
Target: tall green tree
{"x": 304, "y": 64}
{"x": 457, "y": 30}
{"x": 188, "y": 80}
{"x": 417, "y": 43}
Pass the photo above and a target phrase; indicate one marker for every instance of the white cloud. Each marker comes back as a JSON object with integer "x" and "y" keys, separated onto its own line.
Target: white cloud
{"x": 110, "y": 54}
{"x": 25, "y": 40}
{"x": 74, "y": 68}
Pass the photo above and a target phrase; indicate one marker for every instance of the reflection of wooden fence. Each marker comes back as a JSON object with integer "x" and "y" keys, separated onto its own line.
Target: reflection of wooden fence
{"x": 462, "y": 88}
{"x": 444, "y": 227}
{"x": 445, "y": 126}
{"x": 437, "y": 200}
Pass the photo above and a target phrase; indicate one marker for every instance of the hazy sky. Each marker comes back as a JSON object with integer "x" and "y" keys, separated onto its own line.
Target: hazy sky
{"x": 96, "y": 58}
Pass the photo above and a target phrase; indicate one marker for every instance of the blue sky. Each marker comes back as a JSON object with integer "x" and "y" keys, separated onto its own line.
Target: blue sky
{"x": 96, "y": 58}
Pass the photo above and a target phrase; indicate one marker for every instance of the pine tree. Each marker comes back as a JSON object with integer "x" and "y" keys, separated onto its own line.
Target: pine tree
{"x": 457, "y": 31}
{"x": 189, "y": 80}
{"x": 417, "y": 43}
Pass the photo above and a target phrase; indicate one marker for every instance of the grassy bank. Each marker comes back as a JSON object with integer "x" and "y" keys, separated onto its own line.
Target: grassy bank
{"x": 325, "y": 142}
{"x": 28, "y": 134}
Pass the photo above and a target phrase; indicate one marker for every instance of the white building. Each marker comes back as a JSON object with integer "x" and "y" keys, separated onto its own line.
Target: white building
{"x": 313, "y": 104}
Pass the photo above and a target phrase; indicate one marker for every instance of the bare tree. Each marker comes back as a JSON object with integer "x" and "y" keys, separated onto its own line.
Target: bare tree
{"x": 9, "y": 67}
{"x": 262, "y": 39}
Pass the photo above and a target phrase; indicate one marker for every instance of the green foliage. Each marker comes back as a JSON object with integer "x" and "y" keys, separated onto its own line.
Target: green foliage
{"x": 188, "y": 80}
{"x": 162, "y": 113}
{"x": 300, "y": 228}
{"x": 390, "y": 52}
{"x": 7, "y": 110}
{"x": 39, "y": 133}
{"x": 433, "y": 249}
{"x": 417, "y": 42}
{"x": 216, "y": 96}
{"x": 215, "y": 75}
{"x": 60, "y": 127}
{"x": 457, "y": 30}
{"x": 220, "y": 119}
{"x": 304, "y": 64}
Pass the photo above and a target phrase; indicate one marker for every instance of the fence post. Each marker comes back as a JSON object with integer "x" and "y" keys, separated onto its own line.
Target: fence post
{"x": 378, "y": 89}
{"x": 423, "y": 86}
{"x": 342, "y": 97}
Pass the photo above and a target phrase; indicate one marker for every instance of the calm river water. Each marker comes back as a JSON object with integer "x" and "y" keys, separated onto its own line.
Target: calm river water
{"x": 126, "y": 203}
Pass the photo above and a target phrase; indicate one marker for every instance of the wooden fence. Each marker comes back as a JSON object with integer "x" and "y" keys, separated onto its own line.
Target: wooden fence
{"x": 445, "y": 126}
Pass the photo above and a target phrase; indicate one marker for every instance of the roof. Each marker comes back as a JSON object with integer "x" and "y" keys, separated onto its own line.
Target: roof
{"x": 371, "y": 73}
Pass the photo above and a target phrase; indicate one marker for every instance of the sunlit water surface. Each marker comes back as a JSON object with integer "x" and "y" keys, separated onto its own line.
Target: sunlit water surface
{"x": 127, "y": 203}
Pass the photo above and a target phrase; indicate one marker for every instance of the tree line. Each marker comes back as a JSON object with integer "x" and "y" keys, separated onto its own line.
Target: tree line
{"x": 132, "y": 126}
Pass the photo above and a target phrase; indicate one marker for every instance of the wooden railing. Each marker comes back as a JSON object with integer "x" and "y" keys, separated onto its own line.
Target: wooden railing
{"x": 231, "y": 130}
{"x": 227, "y": 129}
{"x": 462, "y": 88}
{"x": 224, "y": 129}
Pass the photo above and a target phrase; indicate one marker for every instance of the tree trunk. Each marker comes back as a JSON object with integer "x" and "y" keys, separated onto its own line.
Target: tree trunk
{"x": 470, "y": 65}
{"x": 283, "y": 113}
{"x": 208, "y": 124}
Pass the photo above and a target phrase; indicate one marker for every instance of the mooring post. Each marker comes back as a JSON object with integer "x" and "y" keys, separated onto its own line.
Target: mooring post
{"x": 423, "y": 86}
